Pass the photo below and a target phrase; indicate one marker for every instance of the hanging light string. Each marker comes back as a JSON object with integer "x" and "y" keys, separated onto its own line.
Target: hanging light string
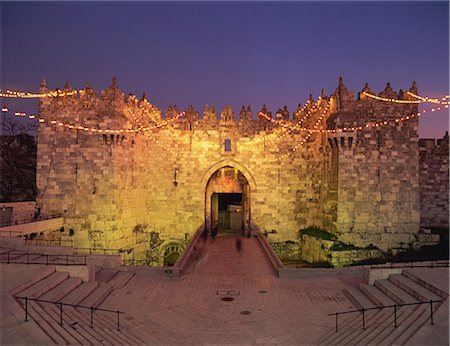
{"x": 304, "y": 140}
{"x": 297, "y": 126}
{"x": 420, "y": 99}
{"x": 285, "y": 128}
{"x": 386, "y": 99}
{"x": 430, "y": 100}
{"x": 158, "y": 142}
{"x": 27, "y": 95}
{"x": 348, "y": 129}
{"x": 93, "y": 129}
{"x": 378, "y": 124}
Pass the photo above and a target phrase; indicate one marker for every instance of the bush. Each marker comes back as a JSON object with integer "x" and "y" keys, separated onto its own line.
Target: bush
{"x": 71, "y": 232}
{"x": 371, "y": 247}
{"x": 317, "y": 233}
{"x": 343, "y": 247}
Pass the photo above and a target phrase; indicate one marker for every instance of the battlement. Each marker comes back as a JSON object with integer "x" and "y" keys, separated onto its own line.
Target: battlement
{"x": 111, "y": 107}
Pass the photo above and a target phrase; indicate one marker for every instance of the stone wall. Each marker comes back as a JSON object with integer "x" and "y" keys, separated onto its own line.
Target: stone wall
{"x": 434, "y": 178}
{"x": 377, "y": 170}
{"x": 20, "y": 210}
{"x": 140, "y": 178}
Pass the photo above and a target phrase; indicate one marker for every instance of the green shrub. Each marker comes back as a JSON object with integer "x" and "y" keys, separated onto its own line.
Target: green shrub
{"x": 71, "y": 232}
{"x": 343, "y": 247}
{"x": 61, "y": 229}
{"x": 317, "y": 233}
{"x": 371, "y": 247}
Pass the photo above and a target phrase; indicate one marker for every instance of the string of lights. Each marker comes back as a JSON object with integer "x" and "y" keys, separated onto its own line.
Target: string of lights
{"x": 430, "y": 100}
{"x": 27, "y": 95}
{"x": 419, "y": 99}
{"x": 285, "y": 128}
{"x": 72, "y": 126}
{"x": 387, "y": 99}
{"x": 349, "y": 129}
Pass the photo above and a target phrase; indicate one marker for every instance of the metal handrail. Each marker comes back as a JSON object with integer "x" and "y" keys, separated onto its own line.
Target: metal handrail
{"x": 411, "y": 264}
{"x": 93, "y": 250}
{"x": 91, "y": 308}
{"x": 135, "y": 262}
{"x": 64, "y": 261}
{"x": 28, "y": 220}
{"x": 49, "y": 241}
{"x": 18, "y": 233}
{"x": 395, "y": 306}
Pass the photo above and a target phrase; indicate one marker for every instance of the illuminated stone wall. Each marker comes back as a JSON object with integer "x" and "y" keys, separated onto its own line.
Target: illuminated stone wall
{"x": 121, "y": 188}
{"x": 434, "y": 175}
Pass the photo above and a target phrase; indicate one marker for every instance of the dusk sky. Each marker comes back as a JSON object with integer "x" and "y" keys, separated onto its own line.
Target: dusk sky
{"x": 228, "y": 53}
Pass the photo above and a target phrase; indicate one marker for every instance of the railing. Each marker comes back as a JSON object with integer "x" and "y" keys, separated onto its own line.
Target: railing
{"x": 134, "y": 262}
{"x": 395, "y": 306}
{"x": 28, "y": 220}
{"x": 413, "y": 264}
{"x": 61, "y": 305}
{"x": 101, "y": 251}
{"x": 49, "y": 242}
{"x": 15, "y": 257}
{"x": 16, "y": 233}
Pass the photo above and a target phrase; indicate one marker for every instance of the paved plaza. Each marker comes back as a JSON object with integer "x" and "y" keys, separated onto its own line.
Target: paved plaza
{"x": 259, "y": 308}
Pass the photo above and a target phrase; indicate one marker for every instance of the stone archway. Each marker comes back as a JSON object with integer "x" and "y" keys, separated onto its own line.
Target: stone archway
{"x": 228, "y": 186}
{"x": 170, "y": 251}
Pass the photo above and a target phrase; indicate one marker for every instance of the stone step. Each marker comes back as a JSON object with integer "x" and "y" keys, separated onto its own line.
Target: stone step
{"x": 50, "y": 326}
{"x": 43, "y": 286}
{"x": 36, "y": 278}
{"x": 60, "y": 291}
{"x": 80, "y": 293}
{"x": 381, "y": 321}
{"x": 121, "y": 279}
{"x": 354, "y": 327}
{"x": 104, "y": 275}
{"x": 384, "y": 325}
{"x": 394, "y": 292}
{"x": 437, "y": 334}
{"x": 426, "y": 279}
{"x": 413, "y": 288}
{"x": 97, "y": 296}
{"x": 78, "y": 322}
{"x": 375, "y": 295}
{"x": 358, "y": 298}
{"x": 404, "y": 326}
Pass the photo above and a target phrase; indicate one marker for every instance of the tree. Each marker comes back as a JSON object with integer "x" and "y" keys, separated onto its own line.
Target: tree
{"x": 17, "y": 161}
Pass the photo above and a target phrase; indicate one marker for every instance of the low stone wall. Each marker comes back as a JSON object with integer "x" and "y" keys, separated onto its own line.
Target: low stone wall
{"x": 309, "y": 273}
{"x": 33, "y": 227}
{"x": 314, "y": 250}
{"x": 374, "y": 274}
{"x": 286, "y": 251}
{"x": 346, "y": 257}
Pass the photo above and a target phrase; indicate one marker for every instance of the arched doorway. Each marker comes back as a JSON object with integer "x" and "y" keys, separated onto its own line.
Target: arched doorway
{"x": 227, "y": 201}
{"x": 171, "y": 254}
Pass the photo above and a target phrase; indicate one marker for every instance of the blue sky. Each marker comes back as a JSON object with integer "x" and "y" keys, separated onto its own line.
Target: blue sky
{"x": 228, "y": 53}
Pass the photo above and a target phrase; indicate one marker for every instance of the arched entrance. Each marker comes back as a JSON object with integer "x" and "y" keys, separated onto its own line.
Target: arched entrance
{"x": 171, "y": 254}
{"x": 227, "y": 201}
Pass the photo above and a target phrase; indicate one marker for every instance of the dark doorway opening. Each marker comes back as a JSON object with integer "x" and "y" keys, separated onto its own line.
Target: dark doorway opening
{"x": 227, "y": 211}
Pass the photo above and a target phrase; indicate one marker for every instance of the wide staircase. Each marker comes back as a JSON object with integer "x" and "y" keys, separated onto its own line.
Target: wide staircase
{"x": 402, "y": 324}
{"x": 60, "y": 306}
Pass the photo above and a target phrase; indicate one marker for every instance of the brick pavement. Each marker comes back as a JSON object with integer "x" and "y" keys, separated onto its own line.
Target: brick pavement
{"x": 189, "y": 310}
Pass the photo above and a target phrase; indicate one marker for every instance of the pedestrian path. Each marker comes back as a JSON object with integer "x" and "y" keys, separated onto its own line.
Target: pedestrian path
{"x": 224, "y": 297}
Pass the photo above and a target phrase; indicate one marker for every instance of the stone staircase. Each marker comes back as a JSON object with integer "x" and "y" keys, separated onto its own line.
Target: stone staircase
{"x": 54, "y": 286}
{"x": 411, "y": 286}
